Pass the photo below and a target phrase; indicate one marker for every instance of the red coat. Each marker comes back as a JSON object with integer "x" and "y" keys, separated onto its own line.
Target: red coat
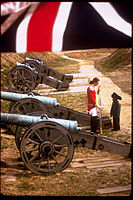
{"x": 91, "y": 96}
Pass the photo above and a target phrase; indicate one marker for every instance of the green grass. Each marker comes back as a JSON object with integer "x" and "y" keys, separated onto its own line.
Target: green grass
{"x": 118, "y": 59}
{"x": 63, "y": 65}
{"x": 75, "y": 101}
{"x": 5, "y": 106}
{"x": 26, "y": 186}
{"x": 7, "y": 142}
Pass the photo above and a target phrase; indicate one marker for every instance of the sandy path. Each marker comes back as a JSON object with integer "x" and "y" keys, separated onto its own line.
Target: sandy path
{"x": 107, "y": 88}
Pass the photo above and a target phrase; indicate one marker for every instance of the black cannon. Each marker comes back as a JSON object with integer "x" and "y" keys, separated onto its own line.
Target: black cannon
{"x": 48, "y": 144}
{"x": 24, "y": 77}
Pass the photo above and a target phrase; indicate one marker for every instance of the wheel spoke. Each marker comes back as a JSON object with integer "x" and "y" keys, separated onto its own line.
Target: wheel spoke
{"x": 58, "y": 138}
{"x": 24, "y": 109}
{"x": 34, "y": 157}
{"x": 16, "y": 129}
{"x": 38, "y": 136}
{"x": 58, "y": 152}
{"x": 19, "y": 88}
{"x": 32, "y": 149}
{"x": 47, "y": 132}
{"x": 48, "y": 163}
{"x": 23, "y": 88}
{"x": 55, "y": 160}
{"x": 20, "y": 112}
{"x": 15, "y": 110}
{"x": 14, "y": 79}
{"x": 60, "y": 145}
{"x": 32, "y": 141}
{"x": 27, "y": 85}
{"x": 28, "y": 81}
{"x": 18, "y": 73}
{"x": 40, "y": 162}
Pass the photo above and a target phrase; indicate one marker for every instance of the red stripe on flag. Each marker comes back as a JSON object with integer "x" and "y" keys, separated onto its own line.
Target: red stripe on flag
{"x": 40, "y": 28}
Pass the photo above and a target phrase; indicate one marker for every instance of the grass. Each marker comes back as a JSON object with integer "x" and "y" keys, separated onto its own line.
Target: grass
{"x": 5, "y": 106}
{"x": 117, "y": 60}
{"x": 6, "y": 143}
{"x": 76, "y": 184}
{"x": 75, "y": 101}
{"x": 26, "y": 186}
{"x": 63, "y": 65}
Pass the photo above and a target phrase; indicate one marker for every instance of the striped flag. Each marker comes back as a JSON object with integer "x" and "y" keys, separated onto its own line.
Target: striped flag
{"x": 58, "y": 26}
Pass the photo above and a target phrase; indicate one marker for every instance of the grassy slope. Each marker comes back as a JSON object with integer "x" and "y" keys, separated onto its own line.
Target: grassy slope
{"x": 117, "y": 67}
{"x": 116, "y": 61}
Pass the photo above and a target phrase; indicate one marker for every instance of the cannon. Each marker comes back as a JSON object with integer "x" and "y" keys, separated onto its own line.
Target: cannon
{"x": 16, "y": 97}
{"x": 35, "y": 105}
{"x": 30, "y": 103}
{"x": 24, "y": 77}
{"x": 48, "y": 144}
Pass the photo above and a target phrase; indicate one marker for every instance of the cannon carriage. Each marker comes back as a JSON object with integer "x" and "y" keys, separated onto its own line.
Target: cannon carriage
{"x": 25, "y": 77}
{"x": 48, "y": 144}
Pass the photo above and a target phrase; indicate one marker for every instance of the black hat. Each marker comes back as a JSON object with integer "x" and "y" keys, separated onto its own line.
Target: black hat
{"x": 116, "y": 96}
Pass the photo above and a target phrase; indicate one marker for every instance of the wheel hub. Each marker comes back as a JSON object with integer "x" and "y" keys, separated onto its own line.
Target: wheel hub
{"x": 21, "y": 81}
{"x": 47, "y": 148}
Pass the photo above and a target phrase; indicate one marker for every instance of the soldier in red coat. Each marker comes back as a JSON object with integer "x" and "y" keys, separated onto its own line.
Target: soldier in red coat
{"x": 92, "y": 103}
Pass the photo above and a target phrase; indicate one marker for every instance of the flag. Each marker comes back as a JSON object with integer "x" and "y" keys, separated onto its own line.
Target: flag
{"x": 58, "y": 26}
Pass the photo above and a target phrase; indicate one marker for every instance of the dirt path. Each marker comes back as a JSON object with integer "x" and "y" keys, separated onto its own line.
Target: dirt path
{"x": 88, "y": 70}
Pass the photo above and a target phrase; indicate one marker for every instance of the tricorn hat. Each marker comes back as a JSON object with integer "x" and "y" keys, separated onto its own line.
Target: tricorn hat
{"x": 116, "y": 96}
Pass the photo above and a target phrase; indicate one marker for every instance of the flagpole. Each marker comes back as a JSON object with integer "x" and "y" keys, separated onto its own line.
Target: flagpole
{"x": 100, "y": 111}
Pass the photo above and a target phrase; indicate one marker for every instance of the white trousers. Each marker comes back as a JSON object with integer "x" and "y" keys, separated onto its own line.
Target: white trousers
{"x": 93, "y": 112}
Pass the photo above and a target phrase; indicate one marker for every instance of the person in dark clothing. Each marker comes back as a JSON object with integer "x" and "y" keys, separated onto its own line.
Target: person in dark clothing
{"x": 115, "y": 111}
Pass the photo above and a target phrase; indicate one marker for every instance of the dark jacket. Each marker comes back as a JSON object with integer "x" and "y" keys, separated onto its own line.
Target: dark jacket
{"x": 115, "y": 109}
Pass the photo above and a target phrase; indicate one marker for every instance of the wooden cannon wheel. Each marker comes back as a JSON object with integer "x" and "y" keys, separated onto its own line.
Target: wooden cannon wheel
{"x": 26, "y": 106}
{"x": 21, "y": 79}
{"x": 46, "y": 147}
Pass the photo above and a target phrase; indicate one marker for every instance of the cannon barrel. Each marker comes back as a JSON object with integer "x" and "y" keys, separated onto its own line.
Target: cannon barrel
{"x": 47, "y": 70}
{"x": 24, "y": 120}
{"x": 36, "y": 60}
{"x": 16, "y": 96}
